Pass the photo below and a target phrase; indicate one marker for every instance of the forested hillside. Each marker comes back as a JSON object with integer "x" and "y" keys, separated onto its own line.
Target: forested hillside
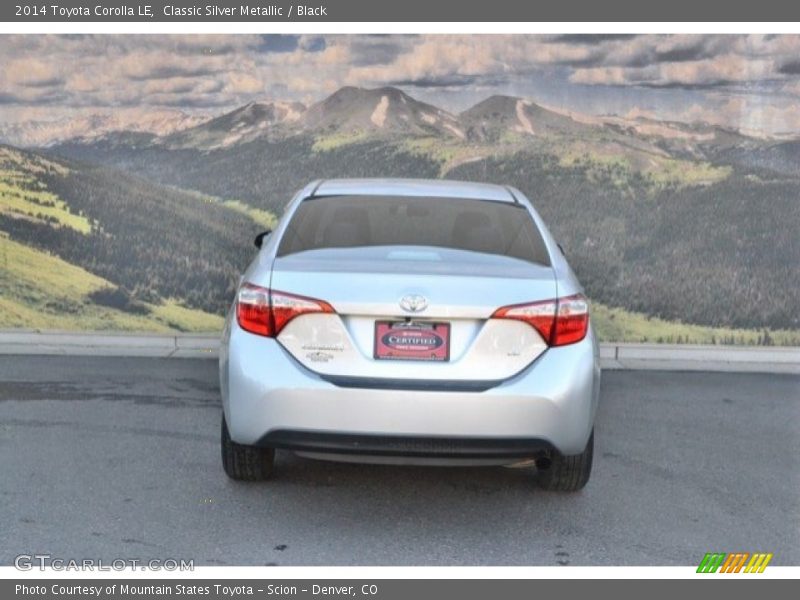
{"x": 721, "y": 254}
{"x": 265, "y": 173}
{"x": 154, "y": 244}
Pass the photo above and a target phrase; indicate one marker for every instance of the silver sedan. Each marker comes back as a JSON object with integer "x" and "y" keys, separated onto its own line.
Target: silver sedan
{"x": 410, "y": 322}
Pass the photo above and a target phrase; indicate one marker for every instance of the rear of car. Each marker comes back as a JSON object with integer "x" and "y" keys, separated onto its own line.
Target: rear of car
{"x": 410, "y": 322}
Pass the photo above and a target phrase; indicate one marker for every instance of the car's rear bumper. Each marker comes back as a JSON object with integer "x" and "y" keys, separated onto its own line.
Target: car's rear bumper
{"x": 267, "y": 393}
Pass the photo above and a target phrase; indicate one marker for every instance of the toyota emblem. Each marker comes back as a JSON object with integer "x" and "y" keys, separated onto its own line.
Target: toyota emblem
{"x": 413, "y": 303}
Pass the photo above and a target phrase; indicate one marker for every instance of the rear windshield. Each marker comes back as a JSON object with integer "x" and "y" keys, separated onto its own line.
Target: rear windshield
{"x": 462, "y": 224}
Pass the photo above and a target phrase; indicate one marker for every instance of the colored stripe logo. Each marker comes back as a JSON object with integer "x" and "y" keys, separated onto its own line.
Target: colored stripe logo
{"x": 735, "y": 562}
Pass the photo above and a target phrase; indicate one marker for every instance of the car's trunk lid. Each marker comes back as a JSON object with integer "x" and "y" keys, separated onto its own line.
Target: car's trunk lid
{"x": 460, "y": 290}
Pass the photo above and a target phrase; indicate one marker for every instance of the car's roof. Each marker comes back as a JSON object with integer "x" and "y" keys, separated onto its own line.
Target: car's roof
{"x": 434, "y": 188}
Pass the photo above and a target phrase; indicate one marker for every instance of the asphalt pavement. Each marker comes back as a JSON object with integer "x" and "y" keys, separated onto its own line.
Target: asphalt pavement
{"x": 119, "y": 458}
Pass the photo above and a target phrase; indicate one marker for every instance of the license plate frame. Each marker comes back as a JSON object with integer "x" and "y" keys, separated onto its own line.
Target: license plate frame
{"x": 415, "y": 334}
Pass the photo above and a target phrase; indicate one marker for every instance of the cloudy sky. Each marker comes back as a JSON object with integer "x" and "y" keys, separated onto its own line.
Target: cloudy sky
{"x": 751, "y": 82}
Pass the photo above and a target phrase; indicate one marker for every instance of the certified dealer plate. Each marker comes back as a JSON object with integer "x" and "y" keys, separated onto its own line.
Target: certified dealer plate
{"x": 410, "y": 340}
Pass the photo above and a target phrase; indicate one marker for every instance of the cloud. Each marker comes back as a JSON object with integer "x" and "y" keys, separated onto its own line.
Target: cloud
{"x": 792, "y": 89}
{"x": 684, "y": 49}
{"x": 163, "y": 64}
{"x": 592, "y": 39}
{"x": 212, "y": 71}
{"x": 791, "y": 67}
{"x": 185, "y": 85}
{"x": 312, "y": 43}
{"x": 278, "y": 43}
{"x": 722, "y": 70}
{"x": 609, "y": 76}
{"x": 748, "y": 114}
{"x": 241, "y": 82}
{"x": 31, "y": 72}
{"x": 378, "y": 49}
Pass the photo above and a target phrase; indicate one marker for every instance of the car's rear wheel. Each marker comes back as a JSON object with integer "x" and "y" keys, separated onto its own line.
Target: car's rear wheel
{"x": 561, "y": 473}
{"x": 245, "y": 463}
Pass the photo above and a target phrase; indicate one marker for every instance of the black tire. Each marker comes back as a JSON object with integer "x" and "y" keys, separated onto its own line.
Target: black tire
{"x": 245, "y": 463}
{"x": 568, "y": 473}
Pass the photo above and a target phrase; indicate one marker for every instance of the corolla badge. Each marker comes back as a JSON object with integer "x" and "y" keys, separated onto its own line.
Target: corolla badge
{"x": 413, "y": 303}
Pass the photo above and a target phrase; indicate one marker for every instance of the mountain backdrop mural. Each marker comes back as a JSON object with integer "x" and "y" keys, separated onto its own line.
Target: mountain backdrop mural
{"x": 679, "y": 213}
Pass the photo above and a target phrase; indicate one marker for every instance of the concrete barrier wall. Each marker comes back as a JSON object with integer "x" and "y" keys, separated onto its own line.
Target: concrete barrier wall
{"x": 612, "y": 355}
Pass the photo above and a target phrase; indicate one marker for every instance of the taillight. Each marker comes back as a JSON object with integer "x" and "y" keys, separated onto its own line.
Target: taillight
{"x": 266, "y": 312}
{"x": 539, "y": 315}
{"x": 253, "y": 309}
{"x": 572, "y": 320}
{"x": 560, "y": 322}
{"x": 286, "y": 307}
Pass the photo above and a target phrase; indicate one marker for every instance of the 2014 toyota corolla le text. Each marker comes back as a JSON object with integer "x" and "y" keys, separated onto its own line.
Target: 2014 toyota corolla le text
{"x": 410, "y": 322}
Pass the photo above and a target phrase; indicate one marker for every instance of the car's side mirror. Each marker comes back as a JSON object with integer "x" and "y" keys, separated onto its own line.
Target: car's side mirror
{"x": 259, "y": 241}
